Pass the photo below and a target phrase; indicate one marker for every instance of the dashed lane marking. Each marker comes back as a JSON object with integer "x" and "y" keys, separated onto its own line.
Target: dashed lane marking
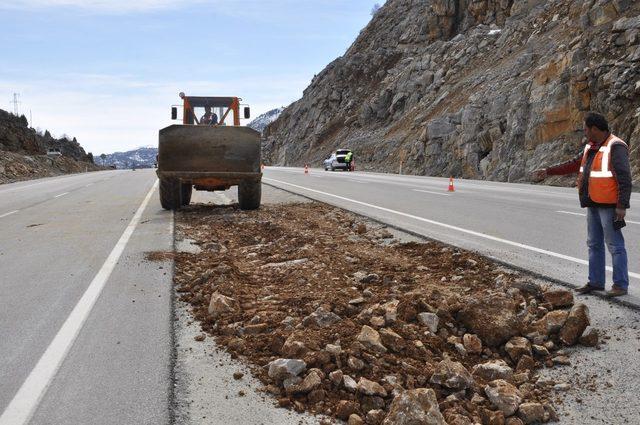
{"x": 9, "y": 213}
{"x": 433, "y": 193}
{"x": 584, "y": 215}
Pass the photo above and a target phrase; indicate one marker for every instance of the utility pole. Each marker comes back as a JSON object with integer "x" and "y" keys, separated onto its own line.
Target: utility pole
{"x": 15, "y": 104}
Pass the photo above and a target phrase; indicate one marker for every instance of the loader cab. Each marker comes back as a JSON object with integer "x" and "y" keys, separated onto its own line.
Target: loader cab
{"x": 225, "y": 110}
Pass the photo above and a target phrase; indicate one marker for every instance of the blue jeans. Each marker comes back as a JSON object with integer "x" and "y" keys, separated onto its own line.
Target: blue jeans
{"x": 600, "y": 230}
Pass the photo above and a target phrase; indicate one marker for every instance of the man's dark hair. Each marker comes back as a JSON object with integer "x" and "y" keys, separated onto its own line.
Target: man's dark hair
{"x": 593, "y": 119}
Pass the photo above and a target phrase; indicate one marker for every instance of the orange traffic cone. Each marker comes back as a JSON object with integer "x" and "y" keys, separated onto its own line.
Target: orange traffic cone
{"x": 306, "y": 168}
{"x": 451, "y": 188}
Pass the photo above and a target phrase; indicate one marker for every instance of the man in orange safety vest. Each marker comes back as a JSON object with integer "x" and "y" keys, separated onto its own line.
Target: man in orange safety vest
{"x": 604, "y": 186}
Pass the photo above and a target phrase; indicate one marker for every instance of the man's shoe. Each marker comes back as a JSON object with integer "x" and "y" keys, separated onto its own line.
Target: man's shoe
{"x": 616, "y": 291}
{"x": 587, "y": 289}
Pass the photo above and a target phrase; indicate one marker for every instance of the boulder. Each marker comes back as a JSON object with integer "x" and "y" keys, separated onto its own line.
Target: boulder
{"x": 392, "y": 340}
{"x": 552, "y": 322}
{"x": 293, "y": 348}
{"x": 375, "y": 417}
{"x": 349, "y": 383}
{"x": 311, "y": 382}
{"x": 576, "y": 323}
{"x": 452, "y": 375}
{"x": 220, "y": 304}
{"x": 492, "y": 370}
{"x": 336, "y": 377}
{"x": 590, "y": 338}
{"x": 412, "y": 407}
{"x": 346, "y": 408}
{"x": 517, "y": 347}
{"x": 282, "y": 369}
{"x": 558, "y": 298}
{"x": 504, "y": 396}
{"x": 472, "y": 343}
{"x": 391, "y": 311}
{"x": 430, "y": 320}
{"x": 531, "y": 413}
{"x": 493, "y": 318}
{"x": 321, "y": 318}
{"x": 370, "y": 388}
{"x": 370, "y": 338}
{"x": 355, "y": 420}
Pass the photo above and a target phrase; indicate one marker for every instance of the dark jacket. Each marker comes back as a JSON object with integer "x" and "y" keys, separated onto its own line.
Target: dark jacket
{"x": 620, "y": 168}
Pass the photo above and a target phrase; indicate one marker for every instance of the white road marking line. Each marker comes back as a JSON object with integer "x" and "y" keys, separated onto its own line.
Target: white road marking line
{"x": 572, "y": 213}
{"x": 433, "y": 193}
{"x": 87, "y": 185}
{"x": 62, "y": 194}
{"x": 456, "y": 228}
{"x": 584, "y": 215}
{"x": 24, "y": 403}
{"x": 9, "y": 213}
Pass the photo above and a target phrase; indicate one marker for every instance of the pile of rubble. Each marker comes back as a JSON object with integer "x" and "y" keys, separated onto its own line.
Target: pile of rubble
{"x": 340, "y": 319}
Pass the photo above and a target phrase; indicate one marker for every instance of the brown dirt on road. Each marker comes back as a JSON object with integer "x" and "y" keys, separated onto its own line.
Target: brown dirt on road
{"x": 284, "y": 263}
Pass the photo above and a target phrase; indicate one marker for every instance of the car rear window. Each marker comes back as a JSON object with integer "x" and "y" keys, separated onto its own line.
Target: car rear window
{"x": 343, "y": 152}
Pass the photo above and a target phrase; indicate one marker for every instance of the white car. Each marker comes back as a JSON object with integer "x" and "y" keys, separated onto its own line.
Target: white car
{"x": 336, "y": 161}
{"x": 54, "y": 152}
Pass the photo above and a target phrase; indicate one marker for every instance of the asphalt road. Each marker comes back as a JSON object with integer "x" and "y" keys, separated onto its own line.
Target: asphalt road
{"x": 537, "y": 228}
{"x": 85, "y": 320}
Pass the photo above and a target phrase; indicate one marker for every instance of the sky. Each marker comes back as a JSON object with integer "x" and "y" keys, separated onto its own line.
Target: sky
{"x": 108, "y": 71}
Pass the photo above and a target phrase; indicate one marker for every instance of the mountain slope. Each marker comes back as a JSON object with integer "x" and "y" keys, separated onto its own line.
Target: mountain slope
{"x": 143, "y": 157}
{"x": 262, "y": 121}
{"x": 23, "y": 152}
{"x": 488, "y": 89}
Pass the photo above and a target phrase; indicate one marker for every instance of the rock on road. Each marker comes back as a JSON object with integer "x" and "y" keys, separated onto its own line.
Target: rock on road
{"x": 537, "y": 228}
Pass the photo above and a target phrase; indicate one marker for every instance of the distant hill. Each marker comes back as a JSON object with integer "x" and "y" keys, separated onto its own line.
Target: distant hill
{"x": 265, "y": 119}
{"x": 23, "y": 152}
{"x": 142, "y": 157}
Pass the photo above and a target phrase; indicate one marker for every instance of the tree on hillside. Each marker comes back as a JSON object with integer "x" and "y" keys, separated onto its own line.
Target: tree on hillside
{"x": 103, "y": 157}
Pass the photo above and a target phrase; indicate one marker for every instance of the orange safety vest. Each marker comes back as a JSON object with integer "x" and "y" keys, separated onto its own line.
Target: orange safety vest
{"x": 603, "y": 186}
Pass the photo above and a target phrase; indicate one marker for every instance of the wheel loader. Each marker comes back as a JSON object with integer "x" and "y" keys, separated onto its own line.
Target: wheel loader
{"x": 208, "y": 154}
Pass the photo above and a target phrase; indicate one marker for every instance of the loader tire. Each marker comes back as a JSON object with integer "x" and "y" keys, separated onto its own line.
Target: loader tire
{"x": 249, "y": 195}
{"x": 170, "y": 194}
{"x": 185, "y": 194}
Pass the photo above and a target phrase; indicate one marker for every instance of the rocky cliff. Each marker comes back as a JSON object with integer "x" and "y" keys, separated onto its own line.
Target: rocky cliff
{"x": 23, "y": 152}
{"x": 487, "y": 89}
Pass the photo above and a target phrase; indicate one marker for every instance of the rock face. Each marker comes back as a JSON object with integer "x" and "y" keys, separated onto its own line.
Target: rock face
{"x": 418, "y": 406}
{"x": 488, "y": 89}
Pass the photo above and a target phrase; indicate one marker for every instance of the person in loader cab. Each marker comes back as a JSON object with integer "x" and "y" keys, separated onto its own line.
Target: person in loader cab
{"x": 209, "y": 118}
{"x": 604, "y": 187}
